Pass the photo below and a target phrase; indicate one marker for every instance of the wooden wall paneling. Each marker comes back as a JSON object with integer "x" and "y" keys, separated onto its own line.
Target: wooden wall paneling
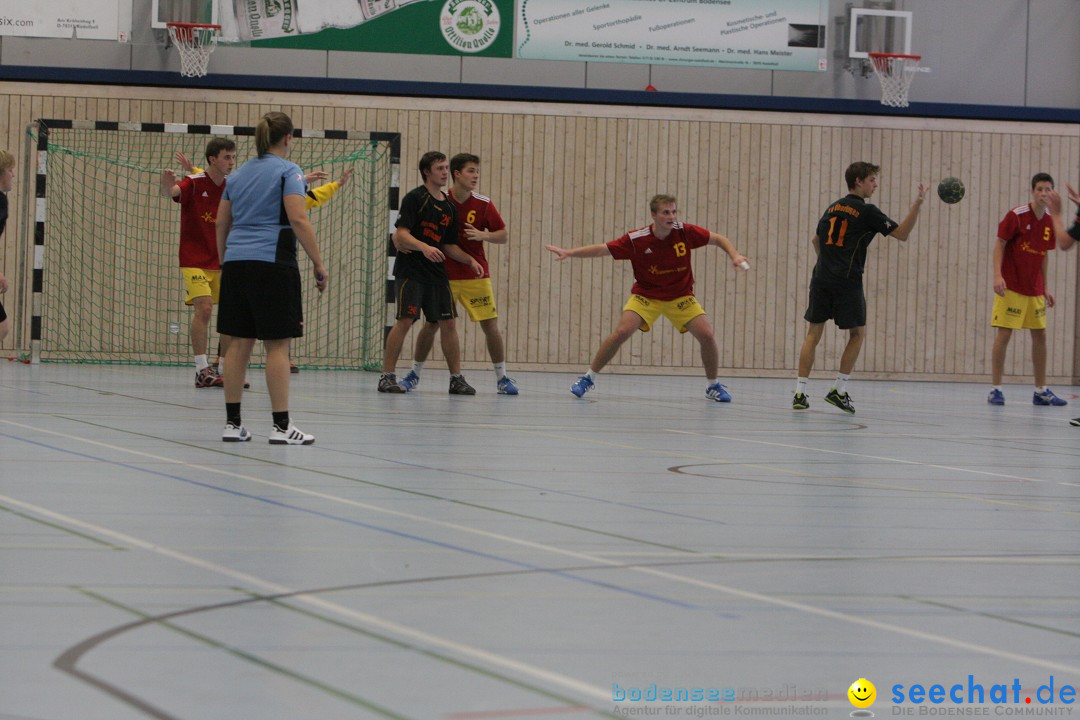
{"x": 757, "y": 178}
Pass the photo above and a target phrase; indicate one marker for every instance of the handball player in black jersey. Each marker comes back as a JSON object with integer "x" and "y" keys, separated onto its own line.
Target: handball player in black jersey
{"x": 843, "y": 235}
{"x": 425, "y": 235}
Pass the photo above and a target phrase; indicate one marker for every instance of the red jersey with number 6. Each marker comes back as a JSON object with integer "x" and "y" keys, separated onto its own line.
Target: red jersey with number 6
{"x": 1027, "y": 240}
{"x": 661, "y": 267}
{"x": 199, "y": 198}
{"x": 480, "y": 212}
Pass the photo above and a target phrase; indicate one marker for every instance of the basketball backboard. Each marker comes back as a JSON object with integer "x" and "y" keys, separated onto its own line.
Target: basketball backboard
{"x": 882, "y": 31}
{"x": 190, "y": 11}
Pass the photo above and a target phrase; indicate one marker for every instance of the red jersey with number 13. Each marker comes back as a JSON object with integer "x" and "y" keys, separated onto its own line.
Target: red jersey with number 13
{"x": 1027, "y": 240}
{"x": 199, "y": 198}
{"x": 479, "y": 212}
{"x": 661, "y": 267}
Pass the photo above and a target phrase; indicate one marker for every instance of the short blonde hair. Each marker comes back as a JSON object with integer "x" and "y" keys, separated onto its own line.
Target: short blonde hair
{"x": 7, "y": 161}
{"x": 658, "y": 200}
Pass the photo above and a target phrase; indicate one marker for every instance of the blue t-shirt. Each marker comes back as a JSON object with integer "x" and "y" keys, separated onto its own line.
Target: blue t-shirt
{"x": 260, "y": 228}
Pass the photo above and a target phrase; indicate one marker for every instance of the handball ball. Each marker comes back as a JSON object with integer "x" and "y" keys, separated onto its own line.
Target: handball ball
{"x": 950, "y": 190}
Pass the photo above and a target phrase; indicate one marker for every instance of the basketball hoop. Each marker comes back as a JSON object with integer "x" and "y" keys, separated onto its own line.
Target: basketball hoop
{"x": 895, "y": 72}
{"x": 195, "y": 41}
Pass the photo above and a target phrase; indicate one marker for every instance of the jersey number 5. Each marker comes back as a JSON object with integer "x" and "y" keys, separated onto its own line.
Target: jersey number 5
{"x": 839, "y": 238}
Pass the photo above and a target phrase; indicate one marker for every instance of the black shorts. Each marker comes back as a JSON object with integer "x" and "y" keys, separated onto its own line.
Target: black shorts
{"x": 843, "y": 303}
{"x": 260, "y": 300}
{"x": 3, "y": 313}
{"x": 435, "y": 299}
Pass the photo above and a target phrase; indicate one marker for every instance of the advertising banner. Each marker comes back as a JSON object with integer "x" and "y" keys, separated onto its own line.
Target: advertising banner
{"x": 85, "y": 19}
{"x": 432, "y": 27}
{"x": 757, "y": 34}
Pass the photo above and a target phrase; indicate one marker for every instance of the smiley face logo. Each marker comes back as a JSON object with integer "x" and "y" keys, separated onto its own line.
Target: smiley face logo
{"x": 862, "y": 693}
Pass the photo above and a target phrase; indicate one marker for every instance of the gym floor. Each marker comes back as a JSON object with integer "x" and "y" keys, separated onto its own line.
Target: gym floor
{"x": 535, "y": 556}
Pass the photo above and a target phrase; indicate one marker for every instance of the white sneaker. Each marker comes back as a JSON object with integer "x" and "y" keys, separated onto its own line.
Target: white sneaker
{"x": 292, "y": 436}
{"x": 232, "y": 433}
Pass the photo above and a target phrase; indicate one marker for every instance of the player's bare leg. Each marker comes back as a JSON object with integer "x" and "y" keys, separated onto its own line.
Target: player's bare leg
{"x": 629, "y": 323}
{"x": 277, "y": 373}
{"x": 809, "y": 348}
{"x": 425, "y": 341}
{"x": 395, "y": 339}
{"x": 451, "y": 346}
{"x": 852, "y": 349}
{"x": 702, "y": 331}
{"x": 997, "y": 355}
{"x": 1038, "y": 356}
{"x": 494, "y": 340}
{"x": 203, "y": 307}
{"x": 237, "y": 356}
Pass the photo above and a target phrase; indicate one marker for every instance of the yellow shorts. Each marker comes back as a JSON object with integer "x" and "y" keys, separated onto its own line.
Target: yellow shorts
{"x": 1019, "y": 312}
{"x": 679, "y": 311}
{"x": 201, "y": 283}
{"x": 476, "y": 296}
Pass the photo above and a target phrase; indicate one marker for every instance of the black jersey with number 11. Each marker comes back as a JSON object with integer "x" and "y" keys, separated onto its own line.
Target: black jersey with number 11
{"x": 844, "y": 233}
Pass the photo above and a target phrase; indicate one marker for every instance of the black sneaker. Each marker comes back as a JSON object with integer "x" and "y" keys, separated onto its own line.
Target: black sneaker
{"x": 841, "y": 401}
{"x": 800, "y": 402}
{"x": 458, "y": 386}
{"x": 388, "y": 384}
{"x": 1075, "y": 422}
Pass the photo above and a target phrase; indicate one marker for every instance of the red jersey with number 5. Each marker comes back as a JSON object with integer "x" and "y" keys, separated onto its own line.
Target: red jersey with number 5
{"x": 480, "y": 212}
{"x": 1027, "y": 240}
{"x": 661, "y": 267}
{"x": 199, "y": 198}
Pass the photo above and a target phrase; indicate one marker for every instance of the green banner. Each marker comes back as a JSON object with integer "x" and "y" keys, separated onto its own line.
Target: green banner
{"x": 436, "y": 27}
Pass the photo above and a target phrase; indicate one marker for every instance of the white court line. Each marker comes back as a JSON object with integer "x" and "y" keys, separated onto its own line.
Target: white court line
{"x": 900, "y": 461}
{"x": 490, "y": 657}
{"x": 418, "y": 636}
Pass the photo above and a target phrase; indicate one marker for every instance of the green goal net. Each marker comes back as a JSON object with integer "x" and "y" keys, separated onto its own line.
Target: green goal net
{"x": 107, "y": 283}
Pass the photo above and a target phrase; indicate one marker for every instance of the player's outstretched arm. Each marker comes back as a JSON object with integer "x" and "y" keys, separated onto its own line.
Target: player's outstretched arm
{"x": 908, "y": 223}
{"x": 184, "y": 162}
{"x": 168, "y": 186}
{"x": 1053, "y": 206}
{"x": 588, "y": 251}
{"x": 722, "y": 242}
{"x": 1065, "y": 238}
{"x": 1073, "y": 195}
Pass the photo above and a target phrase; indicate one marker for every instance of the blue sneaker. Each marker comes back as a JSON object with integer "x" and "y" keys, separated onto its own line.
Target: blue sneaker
{"x": 1046, "y": 397}
{"x": 583, "y": 385}
{"x": 506, "y": 386}
{"x": 718, "y": 392}
{"x": 410, "y": 381}
{"x": 996, "y": 397}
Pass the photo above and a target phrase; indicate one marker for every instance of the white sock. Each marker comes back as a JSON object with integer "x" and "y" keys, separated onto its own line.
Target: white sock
{"x": 710, "y": 382}
{"x": 1041, "y": 389}
{"x": 417, "y": 367}
{"x": 841, "y": 383}
{"x": 591, "y": 374}
{"x": 800, "y": 385}
{"x": 500, "y": 370}
{"x": 201, "y": 363}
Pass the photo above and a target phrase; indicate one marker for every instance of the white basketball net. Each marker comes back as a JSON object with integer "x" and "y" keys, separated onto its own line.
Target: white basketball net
{"x": 895, "y": 73}
{"x": 195, "y": 44}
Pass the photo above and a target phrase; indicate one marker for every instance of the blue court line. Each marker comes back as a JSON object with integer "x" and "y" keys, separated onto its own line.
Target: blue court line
{"x": 358, "y": 523}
